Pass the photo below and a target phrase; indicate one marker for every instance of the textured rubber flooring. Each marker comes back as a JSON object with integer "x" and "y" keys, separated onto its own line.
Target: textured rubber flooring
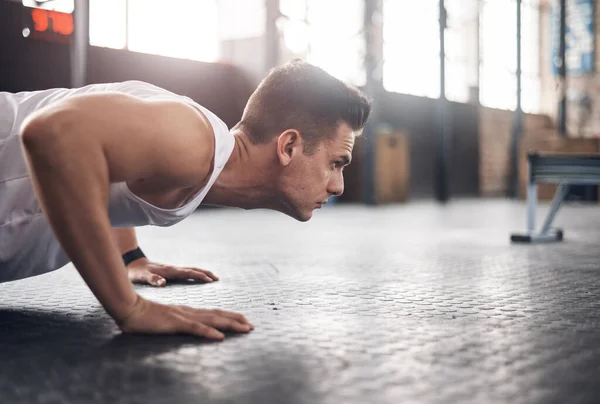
{"x": 409, "y": 304}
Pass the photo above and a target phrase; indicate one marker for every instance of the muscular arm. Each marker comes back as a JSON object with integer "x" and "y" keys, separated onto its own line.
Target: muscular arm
{"x": 75, "y": 148}
{"x": 126, "y": 239}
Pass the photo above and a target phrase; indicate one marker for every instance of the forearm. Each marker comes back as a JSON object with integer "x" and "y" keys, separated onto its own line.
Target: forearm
{"x": 71, "y": 177}
{"x": 127, "y": 241}
{"x": 125, "y": 238}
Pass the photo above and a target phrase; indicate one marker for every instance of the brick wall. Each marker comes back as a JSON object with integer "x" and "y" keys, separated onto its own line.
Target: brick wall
{"x": 495, "y": 127}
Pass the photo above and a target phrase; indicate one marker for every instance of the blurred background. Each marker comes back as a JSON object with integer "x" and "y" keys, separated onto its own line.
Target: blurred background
{"x": 462, "y": 89}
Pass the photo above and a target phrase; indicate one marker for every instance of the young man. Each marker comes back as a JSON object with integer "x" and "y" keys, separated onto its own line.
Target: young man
{"x": 80, "y": 168}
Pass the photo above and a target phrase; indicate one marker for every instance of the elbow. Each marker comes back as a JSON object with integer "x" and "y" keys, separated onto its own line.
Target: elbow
{"x": 32, "y": 133}
{"x": 41, "y": 128}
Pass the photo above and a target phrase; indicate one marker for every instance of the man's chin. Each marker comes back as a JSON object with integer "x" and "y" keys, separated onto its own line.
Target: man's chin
{"x": 302, "y": 216}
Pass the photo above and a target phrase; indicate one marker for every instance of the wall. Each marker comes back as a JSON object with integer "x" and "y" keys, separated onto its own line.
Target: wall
{"x": 27, "y": 64}
{"x": 583, "y": 100}
{"x": 495, "y": 130}
{"x": 417, "y": 117}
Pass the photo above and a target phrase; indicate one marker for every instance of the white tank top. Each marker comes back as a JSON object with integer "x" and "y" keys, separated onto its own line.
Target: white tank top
{"x": 28, "y": 246}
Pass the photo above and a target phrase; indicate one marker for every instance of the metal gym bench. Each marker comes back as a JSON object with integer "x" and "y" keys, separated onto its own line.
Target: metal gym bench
{"x": 564, "y": 169}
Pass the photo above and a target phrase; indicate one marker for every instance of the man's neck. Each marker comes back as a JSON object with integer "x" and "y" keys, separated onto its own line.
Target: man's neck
{"x": 246, "y": 180}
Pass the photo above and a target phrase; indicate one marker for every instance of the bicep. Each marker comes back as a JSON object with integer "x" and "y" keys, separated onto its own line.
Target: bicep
{"x": 139, "y": 138}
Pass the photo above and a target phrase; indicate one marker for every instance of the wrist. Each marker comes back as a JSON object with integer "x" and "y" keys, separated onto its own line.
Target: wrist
{"x": 122, "y": 316}
{"x": 133, "y": 255}
{"x": 122, "y": 300}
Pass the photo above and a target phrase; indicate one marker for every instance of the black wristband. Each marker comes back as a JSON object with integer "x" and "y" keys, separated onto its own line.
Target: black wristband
{"x": 133, "y": 255}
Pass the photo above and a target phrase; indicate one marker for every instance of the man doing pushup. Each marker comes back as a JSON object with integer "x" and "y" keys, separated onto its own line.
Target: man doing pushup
{"x": 81, "y": 168}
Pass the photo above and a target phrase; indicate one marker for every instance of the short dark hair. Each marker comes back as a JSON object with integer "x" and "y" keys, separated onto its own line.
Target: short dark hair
{"x": 301, "y": 96}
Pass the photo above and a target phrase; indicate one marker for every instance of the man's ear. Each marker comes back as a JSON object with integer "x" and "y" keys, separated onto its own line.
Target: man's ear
{"x": 289, "y": 144}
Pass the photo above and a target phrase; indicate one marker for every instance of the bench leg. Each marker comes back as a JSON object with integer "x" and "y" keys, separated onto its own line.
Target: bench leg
{"x": 531, "y": 207}
{"x": 546, "y": 234}
{"x": 559, "y": 197}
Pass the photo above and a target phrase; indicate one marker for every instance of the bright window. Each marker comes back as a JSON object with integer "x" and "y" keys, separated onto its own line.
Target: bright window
{"x": 412, "y": 54}
{"x": 175, "y": 28}
{"x": 411, "y": 47}
{"x": 241, "y": 19}
{"x": 108, "y": 24}
{"x": 498, "y": 82}
{"x": 461, "y": 48}
{"x": 308, "y": 33}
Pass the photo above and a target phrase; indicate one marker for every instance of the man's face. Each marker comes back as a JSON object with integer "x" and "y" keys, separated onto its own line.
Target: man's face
{"x": 309, "y": 180}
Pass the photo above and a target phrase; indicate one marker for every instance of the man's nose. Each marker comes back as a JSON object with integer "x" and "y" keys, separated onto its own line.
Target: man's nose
{"x": 336, "y": 185}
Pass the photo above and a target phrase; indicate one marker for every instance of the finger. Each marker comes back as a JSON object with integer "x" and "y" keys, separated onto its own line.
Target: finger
{"x": 222, "y": 313}
{"x": 145, "y": 276}
{"x": 233, "y": 316}
{"x": 225, "y": 320}
{"x": 197, "y": 274}
{"x": 208, "y": 273}
{"x": 216, "y": 312}
{"x": 224, "y": 323}
{"x": 154, "y": 279}
{"x": 197, "y": 328}
{"x": 186, "y": 273}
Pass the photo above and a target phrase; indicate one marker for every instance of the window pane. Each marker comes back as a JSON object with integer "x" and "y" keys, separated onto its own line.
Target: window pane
{"x": 338, "y": 51}
{"x": 455, "y": 48}
{"x": 293, "y": 9}
{"x": 107, "y": 23}
{"x": 295, "y": 36}
{"x": 308, "y": 33}
{"x": 530, "y": 41}
{"x": 499, "y": 33}
{"x": 461, "y": 32}
{"x": 457, "y": 88}
{"x": 461, "y": 49}
{"x": 177, "y": 28}
{"x": 241, "y": 19}
{"x": 411, "y": 47}
{"x": 530, "y": 94}
{"x": 498, "y": 84}
{"x": 498, "y": 87}
{"x": 341, "y": 59}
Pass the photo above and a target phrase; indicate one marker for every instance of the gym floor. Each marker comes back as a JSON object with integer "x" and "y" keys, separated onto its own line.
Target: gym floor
{"x": 417, "y": 303}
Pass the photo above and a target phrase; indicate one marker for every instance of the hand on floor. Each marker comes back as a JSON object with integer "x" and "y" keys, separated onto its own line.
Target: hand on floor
{"x": 149, "y": 317}
{"x": 145, "y": 271}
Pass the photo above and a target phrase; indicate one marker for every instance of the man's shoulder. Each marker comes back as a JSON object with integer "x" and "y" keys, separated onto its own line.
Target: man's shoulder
{"x": 137, "y": 88}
